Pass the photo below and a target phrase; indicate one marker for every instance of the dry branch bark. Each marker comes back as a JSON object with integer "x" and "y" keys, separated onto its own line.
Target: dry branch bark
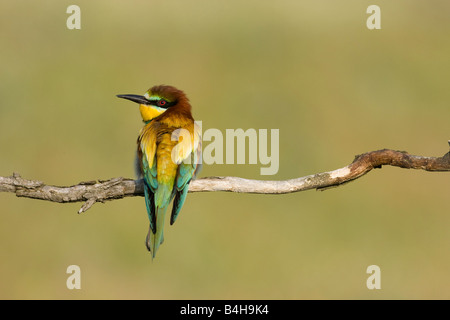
{"x": 103, "y": 190}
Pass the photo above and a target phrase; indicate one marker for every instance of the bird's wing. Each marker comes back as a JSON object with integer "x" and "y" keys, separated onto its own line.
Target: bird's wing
{"x": 184, "y": 176}
{"x": 146, "y": 153}
{"x": 188, "y": 154}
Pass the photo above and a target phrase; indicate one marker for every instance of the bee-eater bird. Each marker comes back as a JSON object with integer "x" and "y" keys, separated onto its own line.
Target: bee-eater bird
{"x": 168, "y": 154}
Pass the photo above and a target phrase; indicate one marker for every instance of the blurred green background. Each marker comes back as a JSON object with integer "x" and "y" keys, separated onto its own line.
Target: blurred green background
{"x": 309, "y": 68}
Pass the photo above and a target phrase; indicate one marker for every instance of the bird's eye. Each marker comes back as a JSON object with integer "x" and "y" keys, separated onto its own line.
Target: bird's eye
{"x": 162, "y": 103}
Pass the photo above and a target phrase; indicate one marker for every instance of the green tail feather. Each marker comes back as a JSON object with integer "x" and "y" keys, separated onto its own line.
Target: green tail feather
{"x": 154, "y": 240}
{"x": 157, "y": 203}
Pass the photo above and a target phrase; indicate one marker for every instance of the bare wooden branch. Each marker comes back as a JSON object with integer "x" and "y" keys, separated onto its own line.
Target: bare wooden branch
{"x": 117, "y": 188}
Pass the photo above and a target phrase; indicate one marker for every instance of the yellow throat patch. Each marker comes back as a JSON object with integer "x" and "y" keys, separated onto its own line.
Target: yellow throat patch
{"x": 149, "y": 112}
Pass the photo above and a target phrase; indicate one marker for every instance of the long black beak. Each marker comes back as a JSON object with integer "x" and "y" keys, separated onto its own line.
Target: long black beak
{"x": 134, "y": 98}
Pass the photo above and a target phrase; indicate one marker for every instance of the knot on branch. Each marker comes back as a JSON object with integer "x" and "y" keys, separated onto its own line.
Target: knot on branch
{"x": 102, "y": 191}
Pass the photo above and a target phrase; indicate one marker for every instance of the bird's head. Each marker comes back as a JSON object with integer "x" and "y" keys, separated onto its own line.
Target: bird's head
{"x": 157, "y": 100}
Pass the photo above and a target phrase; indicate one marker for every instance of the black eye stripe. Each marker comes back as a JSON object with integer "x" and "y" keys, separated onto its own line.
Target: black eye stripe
{"x": 167, "y": 105}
